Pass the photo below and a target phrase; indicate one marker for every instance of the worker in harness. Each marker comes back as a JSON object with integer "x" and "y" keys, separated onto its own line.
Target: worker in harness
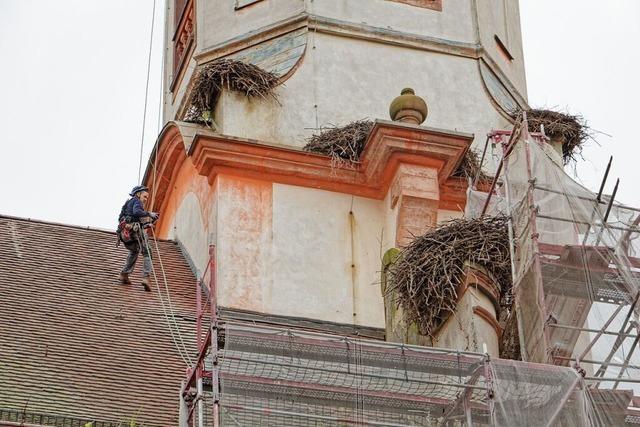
{"x": 131, "y": 231}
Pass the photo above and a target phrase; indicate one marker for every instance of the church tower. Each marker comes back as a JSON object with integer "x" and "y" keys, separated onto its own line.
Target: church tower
{"x": 296, "y": 235}
{"x": 344, "y": 60}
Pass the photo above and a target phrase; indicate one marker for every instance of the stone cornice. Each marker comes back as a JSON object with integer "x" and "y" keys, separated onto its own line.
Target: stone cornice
{"x": 251, "y": 38}
{"x": 167, "y": 156}
{"x": 389, "y": 145}
{"x": 360, "y": 31}
{"x": 323, "y": 24}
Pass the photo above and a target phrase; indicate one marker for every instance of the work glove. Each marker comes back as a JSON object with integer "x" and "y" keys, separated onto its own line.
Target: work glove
{"x": 154, "y": 215}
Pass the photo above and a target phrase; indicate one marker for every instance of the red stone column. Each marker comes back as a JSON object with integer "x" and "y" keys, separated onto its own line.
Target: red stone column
{"x": 415, "y": 193}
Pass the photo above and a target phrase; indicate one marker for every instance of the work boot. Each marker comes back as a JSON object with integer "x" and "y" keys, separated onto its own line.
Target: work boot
{"x": 145, "y": 283}
{"x": 124, "y": 278}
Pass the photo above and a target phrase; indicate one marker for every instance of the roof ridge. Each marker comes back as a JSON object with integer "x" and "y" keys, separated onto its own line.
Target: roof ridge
{"x": 62, "y": 224}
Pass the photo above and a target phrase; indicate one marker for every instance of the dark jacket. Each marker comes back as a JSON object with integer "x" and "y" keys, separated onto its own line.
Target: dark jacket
{"x": 133, "y": 210}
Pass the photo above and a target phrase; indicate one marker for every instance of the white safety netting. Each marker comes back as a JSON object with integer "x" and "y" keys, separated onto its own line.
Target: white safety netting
{"x": 275, "y": 377}
{"x": 576, "y": 271}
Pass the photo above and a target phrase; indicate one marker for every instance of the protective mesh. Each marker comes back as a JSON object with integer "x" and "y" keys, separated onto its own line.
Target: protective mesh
{"x": 576, "y": 271}
{"x": 277, "y": 377}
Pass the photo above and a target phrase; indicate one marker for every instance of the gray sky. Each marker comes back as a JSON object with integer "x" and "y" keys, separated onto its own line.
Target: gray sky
{"x": 74, "y": 72}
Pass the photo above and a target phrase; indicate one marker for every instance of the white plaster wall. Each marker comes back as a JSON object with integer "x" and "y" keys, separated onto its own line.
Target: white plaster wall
{"x": 502, "y": 18}
{"x": 244, "y": 244}
{"x": 313, "y": 257}
{"x": 459, "y": 21}
{"x": 454, "y": 22}
{"x": 220, "y": 22}
{"x": 466, "y": 331}
{"x": 341, "y": 80}
{"x": 190, "y": 229}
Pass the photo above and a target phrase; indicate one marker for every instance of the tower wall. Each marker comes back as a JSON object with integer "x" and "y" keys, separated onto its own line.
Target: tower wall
{"x": 349, "y": 58}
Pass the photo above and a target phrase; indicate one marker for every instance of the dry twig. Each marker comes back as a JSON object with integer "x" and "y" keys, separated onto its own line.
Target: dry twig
{"x": 572, "y": 128}
{"x": 344, "y": 143}
{"x": 429, "y": 270}
{"x": 229, "y": 74}
{"x": 470, "y": 166}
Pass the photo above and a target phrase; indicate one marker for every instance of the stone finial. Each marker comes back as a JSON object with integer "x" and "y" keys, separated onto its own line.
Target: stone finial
{"x": 408, "y": 108}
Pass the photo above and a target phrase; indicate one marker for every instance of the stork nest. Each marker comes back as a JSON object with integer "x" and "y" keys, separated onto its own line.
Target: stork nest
{"x": 470, "y": 167}
{"x": 346, "y": 144}
{"x": 572, "y": 128}
{"x": 342, "y": 144}
{"x": 229, "y": 74}
{"x": 428, "y": 272}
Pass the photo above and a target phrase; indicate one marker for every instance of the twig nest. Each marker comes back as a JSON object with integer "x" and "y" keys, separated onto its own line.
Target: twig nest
{"x": 470, "y": 167}
{"x": 567, "y": 133}
{"x": 427, "y": 274}
{"x": 408, "y": 108}
{"x": 342, "y": 144}
{"x": 227, "y": 74}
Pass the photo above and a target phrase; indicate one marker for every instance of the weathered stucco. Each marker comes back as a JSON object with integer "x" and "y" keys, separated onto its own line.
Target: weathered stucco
{"x": 340, "y": 80}
{"x": 244, "y": 243}
{"x": 189, "y": 229}
{"x": 467, "y": 331}
{"x": 287, "y": 250}
{"x": 454, "y": 22}
{"x": 502, "y": 18}
{"x": 326, "y": 255}
{"x": 186, "y": 212}
{"x": 297, "y": 250}
{"x": 343, "y": 77}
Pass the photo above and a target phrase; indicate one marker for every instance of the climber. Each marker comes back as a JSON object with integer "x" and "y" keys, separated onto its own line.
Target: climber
{"x": 132, "y": 221}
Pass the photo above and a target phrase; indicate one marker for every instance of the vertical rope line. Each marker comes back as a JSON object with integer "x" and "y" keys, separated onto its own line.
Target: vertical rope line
{"x": 146, "y": 91}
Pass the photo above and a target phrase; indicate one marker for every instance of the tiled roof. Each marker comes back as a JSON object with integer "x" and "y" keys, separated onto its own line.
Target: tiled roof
{"x": 75, "y": 343}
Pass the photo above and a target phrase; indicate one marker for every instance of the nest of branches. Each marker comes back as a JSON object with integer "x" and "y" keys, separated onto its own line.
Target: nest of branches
{"x": 229, "y": 74}
{"x": 470, "y": 167}
{"x": 426, "y": 276}
{"x": 572, "y": 129}
{"x": 344, "y": 143}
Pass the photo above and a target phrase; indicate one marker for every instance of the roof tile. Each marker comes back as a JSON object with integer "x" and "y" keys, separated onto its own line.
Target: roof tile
{"x": 75, "y": 343}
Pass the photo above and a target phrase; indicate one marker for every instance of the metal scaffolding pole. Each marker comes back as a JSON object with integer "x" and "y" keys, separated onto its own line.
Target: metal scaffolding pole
{"x": 533, "y": 212}
{"x": 215, "y": 374}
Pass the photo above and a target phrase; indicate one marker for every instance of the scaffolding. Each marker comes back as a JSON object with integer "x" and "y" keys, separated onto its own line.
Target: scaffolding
{"x": 575, "y": 264}
{"x": 249, "y": 375}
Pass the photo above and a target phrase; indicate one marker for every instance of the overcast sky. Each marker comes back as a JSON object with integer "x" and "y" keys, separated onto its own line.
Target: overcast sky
{"x": 73, "y": 80}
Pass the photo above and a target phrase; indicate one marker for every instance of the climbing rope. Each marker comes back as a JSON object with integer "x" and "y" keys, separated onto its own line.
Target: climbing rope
{"x": 167, "y": 309}
{"x": 146, "y": 91}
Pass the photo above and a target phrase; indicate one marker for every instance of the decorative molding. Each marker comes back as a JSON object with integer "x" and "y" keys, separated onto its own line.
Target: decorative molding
{"x": 244, "y": 3}
{"x": 168, "y": 154}
{"x": 477, "y": 277}
{"x": 184, "y": 40}
{"x": 487, "y": 316}
{"x": 390, "y": 145}
{"x": 426, "y": 4}
{"x": 497, "y": 90}
{"x": 252, "y": 38}
{"x": 278, "y": 55}
{"x": 370, "y": 33}
{"x": 338, "y": 27}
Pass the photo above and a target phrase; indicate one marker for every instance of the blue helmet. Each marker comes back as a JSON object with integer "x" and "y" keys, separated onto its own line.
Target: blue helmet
{"x": 137, "y": 189}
